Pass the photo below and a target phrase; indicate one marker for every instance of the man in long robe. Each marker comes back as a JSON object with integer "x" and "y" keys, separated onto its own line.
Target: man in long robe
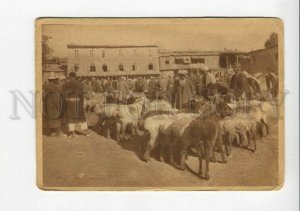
{"x": 183, "y": 90}
{"x": 53, "y": 105}
{"x": 73, "y": 91}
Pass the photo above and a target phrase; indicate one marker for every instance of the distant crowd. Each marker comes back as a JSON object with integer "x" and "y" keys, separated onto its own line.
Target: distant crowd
{"x": 65, "y": 96}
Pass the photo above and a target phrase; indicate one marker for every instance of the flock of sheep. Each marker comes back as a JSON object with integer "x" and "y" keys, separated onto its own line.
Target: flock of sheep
{"x": 180, "y": 133}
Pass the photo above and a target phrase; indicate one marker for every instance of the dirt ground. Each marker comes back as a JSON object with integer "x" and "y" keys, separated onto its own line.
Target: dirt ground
{"x": 96, "y": 161}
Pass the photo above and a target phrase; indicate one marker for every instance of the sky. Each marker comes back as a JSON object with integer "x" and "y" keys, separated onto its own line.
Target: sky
{"x": 168, "y": 34}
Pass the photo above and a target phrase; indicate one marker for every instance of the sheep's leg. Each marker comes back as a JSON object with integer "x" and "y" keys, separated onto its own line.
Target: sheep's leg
{"x": 119, "y": 128}
{"x": 161, "y": 152}
{"x": 123, "y": 130}
{"x": 259, "y": 129}
{"x": 171, "y": 153}
{"x": 133, "y": 129}
{"x": 266, "y": 126}
{"x": 249, "y": 137}
{"x": 254, "y": 140}
{"x": 254, "y": 143}
{"x": 228, "y": 145}
{"x": 238, "y": 139}
{"x": 182, "y": 159}
{"x": 149, "y": 147}
{"x": 207, "y": 156}
{"x": 213, "y": 157}
{"x": 200, "y": 155}
{"x": 222, "y": 151}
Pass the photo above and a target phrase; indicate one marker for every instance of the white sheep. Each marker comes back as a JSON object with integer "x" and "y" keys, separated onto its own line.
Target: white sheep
{"x": 125, "y": 115}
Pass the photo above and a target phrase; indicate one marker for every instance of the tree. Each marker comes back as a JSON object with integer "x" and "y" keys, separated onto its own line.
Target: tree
{"x": 46, "y": 50}
{"x": 272, "y": 41}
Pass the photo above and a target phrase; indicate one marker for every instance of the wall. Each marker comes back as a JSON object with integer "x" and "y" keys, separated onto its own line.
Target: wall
{"x": 141, "y": 58}
{"x": 263, "y": 59}
{"x": 211, "y": 61}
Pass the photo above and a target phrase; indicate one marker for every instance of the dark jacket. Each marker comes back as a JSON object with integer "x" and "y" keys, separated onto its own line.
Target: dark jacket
{"x": 52, "y": 101}
{"x": 73, "y": 92}
{"x": 239, "y": 83}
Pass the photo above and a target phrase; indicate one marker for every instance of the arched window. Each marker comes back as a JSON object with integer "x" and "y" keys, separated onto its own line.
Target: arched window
{"x": 121, "y": 67}
{"x": 104, "y": 68}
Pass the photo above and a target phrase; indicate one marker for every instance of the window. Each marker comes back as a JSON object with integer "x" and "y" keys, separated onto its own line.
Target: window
{"x": 134, "y": 67}
{"x": 134, "y": 52}
{"x": 150, "y": 66}
{"x": 149, "y": 52}
{"x": 197, "y": 60}
{"x": 103, "y": 53}
{"x": 120, "y": 53}
{"x": 76, "y": 53}
{"x": 91, "y": 52}
{"x": 178, "y": 61}
{"x": 76, "y": 67}
{"x": 104, "y": 68}
{"x": 92, "y": 68}
{"x": 167, "y": 62}
{"x": 121, "y": 67}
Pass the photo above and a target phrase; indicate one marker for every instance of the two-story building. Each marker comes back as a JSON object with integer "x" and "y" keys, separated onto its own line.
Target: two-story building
{"x": 101, "y": 60}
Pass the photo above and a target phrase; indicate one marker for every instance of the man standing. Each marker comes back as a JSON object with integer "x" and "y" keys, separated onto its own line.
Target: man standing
{"x": 152, "y": 88}
{"x": 272, "y": 83}
{"x": 139, "y": 85}
{"x": 53, "y": 105}
{"x": 124, "y": 90}
{"x": 239, "y": 83}
{"x": 95, "y": 85}
{"x": 183, "y": 89}
{"x": 73, "y": 92}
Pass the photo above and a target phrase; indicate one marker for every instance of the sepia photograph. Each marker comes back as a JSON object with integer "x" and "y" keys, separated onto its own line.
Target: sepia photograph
{"x": 159, "y": 103}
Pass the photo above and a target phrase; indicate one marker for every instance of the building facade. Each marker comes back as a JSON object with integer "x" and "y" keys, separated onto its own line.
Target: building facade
{"x": 263, "y": 60}
{"x": 191, "y": 61}
{"x": 99, "y": 60}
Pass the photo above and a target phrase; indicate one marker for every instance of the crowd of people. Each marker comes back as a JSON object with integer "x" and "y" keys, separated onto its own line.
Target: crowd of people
{"x": 63, "y": 97}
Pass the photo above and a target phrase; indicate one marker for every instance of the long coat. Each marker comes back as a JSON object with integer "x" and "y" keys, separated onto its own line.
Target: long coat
{"x": 73, "y": 92}
{"x": 239, "y": 83}
{"x": 52, "y": 105}
{"x": 183, "y": 91}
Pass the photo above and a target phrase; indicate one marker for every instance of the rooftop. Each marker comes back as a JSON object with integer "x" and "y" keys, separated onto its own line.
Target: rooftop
{"x": 187, "y": 53}
{"x": 110, "y": 46}
{"x": 263, "y": 49}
